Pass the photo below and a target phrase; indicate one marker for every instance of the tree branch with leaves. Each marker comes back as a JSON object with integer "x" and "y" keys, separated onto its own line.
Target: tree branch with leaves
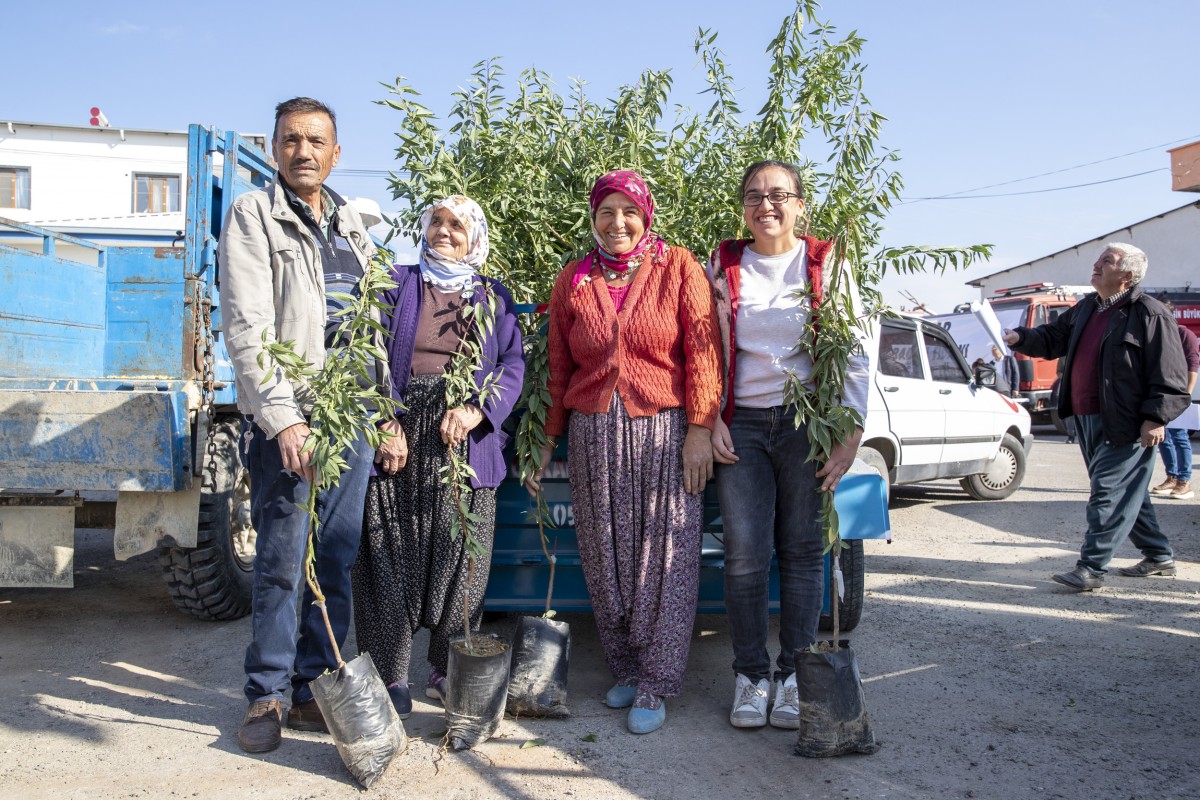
{"x": 348, "y": 405}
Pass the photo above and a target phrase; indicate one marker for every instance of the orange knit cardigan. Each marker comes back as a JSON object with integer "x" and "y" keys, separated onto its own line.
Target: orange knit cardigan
{"x": 660, "y": 351}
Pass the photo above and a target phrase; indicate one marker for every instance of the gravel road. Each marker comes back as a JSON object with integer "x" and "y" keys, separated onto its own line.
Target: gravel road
{"x": 984, "y": 680}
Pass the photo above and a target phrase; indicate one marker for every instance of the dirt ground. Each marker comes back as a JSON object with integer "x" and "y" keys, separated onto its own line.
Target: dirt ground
{"x": 984, "y": 680}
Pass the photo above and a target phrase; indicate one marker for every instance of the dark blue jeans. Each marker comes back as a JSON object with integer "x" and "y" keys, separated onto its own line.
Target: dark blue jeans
{"x": 1176, "y": 452}
{"x": 282, "y": 527}
{"x": 1119, "y": 505}
{"x": 769, "y": 500}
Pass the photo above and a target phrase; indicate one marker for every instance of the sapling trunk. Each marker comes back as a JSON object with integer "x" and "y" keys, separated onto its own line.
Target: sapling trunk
{"x": 310, "y": 575}
{"x": 531, "y": 434}
{"x": 467, "y": 605}
{"x": 835, "y": 602}
{"x": 465, "y": 529}
{"x": 461, "y": 389}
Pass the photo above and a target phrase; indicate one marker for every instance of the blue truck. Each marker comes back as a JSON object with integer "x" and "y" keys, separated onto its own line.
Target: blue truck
{"x": 118, "y": 409}
{"x": 117, "y": 404}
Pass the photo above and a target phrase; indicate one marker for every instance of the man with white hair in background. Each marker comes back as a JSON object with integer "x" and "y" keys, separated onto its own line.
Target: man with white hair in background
{"x": 1124, "y": 379}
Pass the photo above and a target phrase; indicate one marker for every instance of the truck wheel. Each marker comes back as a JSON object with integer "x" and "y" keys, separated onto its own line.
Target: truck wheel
{"x": 1003, "y": 475}
{"x": 213, "y": 580}
{"x": 875, "y": 460}
{"x": 852, "y": 573}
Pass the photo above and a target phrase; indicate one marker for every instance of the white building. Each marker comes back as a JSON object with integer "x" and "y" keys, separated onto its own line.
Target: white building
{"x": 117, "y": 186}
{"x": 1171, "y": 241}
{"x": 113, "y": 186}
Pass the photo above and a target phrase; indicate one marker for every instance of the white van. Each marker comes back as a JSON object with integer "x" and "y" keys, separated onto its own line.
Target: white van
{"x": 930, "y": 416}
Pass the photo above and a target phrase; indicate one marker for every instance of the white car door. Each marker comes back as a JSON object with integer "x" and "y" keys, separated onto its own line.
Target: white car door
{"x": 969, "y": 433}
{"x": 916, "y": 415}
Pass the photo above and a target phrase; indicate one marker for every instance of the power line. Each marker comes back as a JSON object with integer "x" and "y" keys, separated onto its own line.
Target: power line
{"x": 363, "y": 173}
{"x": 1040, "y": 191}
{"x": 1052, "y": 172}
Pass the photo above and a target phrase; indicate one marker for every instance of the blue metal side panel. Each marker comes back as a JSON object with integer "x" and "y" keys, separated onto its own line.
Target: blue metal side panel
{"x": 520, "y": 573}
{"x": 52, "y": 316}
{"x": 97, "y": 440}
{"x": 147, "y": 313}
{"x": 210, "y": 195}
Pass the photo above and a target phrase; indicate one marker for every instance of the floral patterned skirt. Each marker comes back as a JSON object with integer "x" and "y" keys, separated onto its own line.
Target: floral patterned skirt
{"x": 639, "y": 541}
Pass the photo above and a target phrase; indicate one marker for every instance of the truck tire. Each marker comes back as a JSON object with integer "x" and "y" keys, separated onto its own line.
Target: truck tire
{"x": 213, "y": 580}
{"x": 875, "y": 460}
{"x": 852, "y": 573}
{"x": 1003, "y": 475}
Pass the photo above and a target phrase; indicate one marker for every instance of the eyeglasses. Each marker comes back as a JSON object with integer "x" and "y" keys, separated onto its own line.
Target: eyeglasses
{"x": 776, "y": 198}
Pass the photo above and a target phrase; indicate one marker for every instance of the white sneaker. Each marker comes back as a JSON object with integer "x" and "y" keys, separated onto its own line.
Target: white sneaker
{"x": 749, "y": 703}
{"x": 786, "y": 711}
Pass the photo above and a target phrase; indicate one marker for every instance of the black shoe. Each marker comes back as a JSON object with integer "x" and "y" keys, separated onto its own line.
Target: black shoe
{"x": 306, "y": 717}
{"x": 1148, "y": 567}
{"x": 260, "y": 732}
{"x": 401, "y": 699}
{"x": 1081, "y": 579}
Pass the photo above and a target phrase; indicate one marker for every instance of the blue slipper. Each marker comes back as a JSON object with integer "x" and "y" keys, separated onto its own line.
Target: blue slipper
{"x": 620, "y": 696}
{"x": 646, "y": 720}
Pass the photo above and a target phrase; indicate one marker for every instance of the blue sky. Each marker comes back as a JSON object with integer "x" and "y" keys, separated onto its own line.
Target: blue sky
{"x": 976, "y": 94}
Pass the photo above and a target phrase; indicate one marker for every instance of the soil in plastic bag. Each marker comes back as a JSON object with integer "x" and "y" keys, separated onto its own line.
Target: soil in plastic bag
{"x": 833, "y": 713}
{"x": 541, "y": 652}
{"x": 360, "y": 716}
{"x": 476, "y": 688}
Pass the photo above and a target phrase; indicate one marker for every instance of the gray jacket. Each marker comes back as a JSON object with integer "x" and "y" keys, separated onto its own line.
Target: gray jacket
{"x": 272, "y": 280}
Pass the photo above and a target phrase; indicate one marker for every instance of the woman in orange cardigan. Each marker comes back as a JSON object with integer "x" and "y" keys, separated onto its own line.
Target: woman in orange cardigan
{"x": 635, "y": 375}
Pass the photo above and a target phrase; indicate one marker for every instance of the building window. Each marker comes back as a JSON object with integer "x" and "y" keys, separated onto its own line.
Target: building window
{"x": 14, "y": 187}
{"x": 154, "y": 194}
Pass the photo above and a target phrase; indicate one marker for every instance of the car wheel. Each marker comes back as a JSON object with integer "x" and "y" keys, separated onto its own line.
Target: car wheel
{"x": 1002, "y": 476}
{"x": 875, "y": 460}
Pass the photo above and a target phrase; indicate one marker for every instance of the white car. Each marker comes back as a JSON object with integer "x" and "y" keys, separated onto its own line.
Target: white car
{"x": 930, "y": 416}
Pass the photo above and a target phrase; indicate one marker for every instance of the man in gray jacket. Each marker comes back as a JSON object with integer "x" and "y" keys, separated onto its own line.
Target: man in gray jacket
{"x": 1123, "y": 380}
{"x": 283, "y": 250}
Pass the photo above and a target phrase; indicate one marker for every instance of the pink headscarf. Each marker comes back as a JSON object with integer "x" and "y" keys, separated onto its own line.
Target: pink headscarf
{"x": 630, "y": 184}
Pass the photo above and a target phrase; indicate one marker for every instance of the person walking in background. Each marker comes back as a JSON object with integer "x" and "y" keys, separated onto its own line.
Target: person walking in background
{"x": 770, "y": 492}
{"x": 285, "y": 251}
{"x": 1176, "y": 447}
{"x": 411, "y": 572}
{"x": 1008, "y": 382}
{"x": 635, "y": 376}
{"x": 1124, "y": 378}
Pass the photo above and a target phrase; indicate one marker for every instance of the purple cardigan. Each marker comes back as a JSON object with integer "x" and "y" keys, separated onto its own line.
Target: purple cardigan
{"x": 502, "y": 355}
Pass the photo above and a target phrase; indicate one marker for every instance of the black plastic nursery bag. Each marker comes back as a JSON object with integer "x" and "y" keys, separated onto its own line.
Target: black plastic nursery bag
{"x": 476, "y": 688}
{"x": 540, "y": 657}
{"x": 833, "y": 712}
{"x": 360, "y": 716}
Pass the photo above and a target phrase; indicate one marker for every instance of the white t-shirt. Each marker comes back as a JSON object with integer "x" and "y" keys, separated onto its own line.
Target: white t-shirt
{"x": 773, "y": 309}
{"x": 772, "y": 312}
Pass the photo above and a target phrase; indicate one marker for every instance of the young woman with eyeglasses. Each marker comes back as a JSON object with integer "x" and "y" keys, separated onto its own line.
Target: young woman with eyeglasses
{"x": 765, "y": 289}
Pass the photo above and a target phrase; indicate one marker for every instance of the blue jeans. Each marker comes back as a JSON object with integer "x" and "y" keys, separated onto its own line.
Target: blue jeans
{"x": 276, "y": 497}
{"x": 1176, "y": 452}
{"x": 1119, "y": 505}
{"x": 769, "y": 499}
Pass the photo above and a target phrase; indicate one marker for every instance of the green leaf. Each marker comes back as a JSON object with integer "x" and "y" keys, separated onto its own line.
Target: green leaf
{"x": 532, "y": 743}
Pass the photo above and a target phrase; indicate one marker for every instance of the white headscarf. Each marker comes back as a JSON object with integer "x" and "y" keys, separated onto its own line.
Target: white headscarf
{"x": 448, "y": 273}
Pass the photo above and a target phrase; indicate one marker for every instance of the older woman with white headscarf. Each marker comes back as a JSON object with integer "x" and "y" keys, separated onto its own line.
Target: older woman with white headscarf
{"x": 411, "y": 573}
